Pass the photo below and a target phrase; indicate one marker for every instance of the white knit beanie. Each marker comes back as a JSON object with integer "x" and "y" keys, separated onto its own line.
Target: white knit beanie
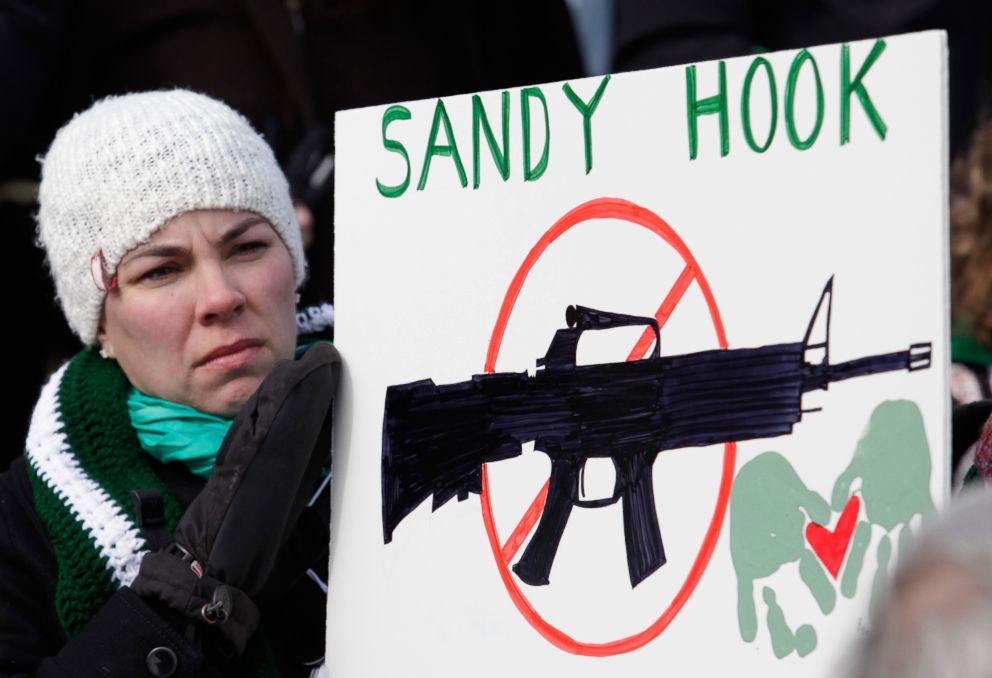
{"x": 118, "y": 171}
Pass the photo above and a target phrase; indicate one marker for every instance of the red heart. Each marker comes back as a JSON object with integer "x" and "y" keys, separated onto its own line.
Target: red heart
{"x": 831, "y": 547}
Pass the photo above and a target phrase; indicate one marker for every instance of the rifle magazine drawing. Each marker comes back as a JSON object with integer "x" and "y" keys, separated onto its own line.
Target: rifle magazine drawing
{"x": 436, "y": 438}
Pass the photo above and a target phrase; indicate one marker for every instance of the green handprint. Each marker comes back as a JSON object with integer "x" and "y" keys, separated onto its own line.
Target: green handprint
{"x": 892, "y": 462}
{"x": 766, "y": 532}
{"x": 767, "y": 521}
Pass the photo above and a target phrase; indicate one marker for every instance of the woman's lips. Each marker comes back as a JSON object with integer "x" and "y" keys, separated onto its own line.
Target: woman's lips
{"x": 231, "y": 356}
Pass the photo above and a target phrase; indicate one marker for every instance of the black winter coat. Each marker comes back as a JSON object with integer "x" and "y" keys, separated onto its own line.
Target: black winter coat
{"x": 130, "y": 637}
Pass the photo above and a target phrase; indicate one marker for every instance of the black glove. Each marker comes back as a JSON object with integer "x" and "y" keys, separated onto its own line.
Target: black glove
{"x": 227, "y": 542}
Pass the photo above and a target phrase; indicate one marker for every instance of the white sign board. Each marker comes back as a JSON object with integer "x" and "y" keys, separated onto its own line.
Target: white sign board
{"x": 724, "y": 504}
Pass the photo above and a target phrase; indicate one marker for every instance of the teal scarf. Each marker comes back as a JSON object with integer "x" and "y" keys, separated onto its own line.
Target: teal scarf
{"x": 171, "y": 432}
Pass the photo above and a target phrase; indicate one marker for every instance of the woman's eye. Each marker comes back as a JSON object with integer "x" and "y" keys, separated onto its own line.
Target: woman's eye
{"x": 159, "y": 273}
{"x": 251, "y": 247}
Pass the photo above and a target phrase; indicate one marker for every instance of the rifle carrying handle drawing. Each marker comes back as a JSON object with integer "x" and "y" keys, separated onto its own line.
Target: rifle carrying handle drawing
{"x": 562, "y": 351}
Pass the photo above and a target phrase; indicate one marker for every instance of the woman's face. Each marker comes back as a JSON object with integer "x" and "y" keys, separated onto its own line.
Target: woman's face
{"x": 203, "y": 310}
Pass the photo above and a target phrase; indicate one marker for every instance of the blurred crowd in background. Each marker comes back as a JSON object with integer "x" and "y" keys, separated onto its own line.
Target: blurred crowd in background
{"x": 289, "y": 65}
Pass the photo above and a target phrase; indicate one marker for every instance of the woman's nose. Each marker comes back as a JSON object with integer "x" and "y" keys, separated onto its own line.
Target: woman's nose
{"x": 219, "y": 295}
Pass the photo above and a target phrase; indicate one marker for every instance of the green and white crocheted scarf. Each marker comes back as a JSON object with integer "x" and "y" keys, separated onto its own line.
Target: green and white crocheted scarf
{"x": 84, "y": 458}
{"x": 83, "y": 461}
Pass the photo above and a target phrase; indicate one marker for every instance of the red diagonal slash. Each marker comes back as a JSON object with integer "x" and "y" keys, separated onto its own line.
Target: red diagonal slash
{"x": 607, "y": 208}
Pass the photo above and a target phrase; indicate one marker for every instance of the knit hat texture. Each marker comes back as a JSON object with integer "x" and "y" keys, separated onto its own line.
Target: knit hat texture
{"x": 120, "y": 170}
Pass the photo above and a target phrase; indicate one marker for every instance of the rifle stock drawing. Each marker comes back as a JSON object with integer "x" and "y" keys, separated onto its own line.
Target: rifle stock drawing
{"x": 436, "y": 438}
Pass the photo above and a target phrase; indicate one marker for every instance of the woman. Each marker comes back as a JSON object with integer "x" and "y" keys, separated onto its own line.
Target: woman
{"x": 128, "y": 545}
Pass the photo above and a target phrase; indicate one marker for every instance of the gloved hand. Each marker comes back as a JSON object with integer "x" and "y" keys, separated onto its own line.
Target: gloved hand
{"x": 227, "y": 542}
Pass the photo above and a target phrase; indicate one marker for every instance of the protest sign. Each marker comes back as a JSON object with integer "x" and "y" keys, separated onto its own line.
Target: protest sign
{"x": 665, "y": 350}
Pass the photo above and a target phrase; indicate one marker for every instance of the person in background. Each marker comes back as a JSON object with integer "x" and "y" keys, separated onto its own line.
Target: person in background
{"x": 170, "y": 514}
{"x": 971, "y": 310}
{"x": 971, "y": 266}
{"x": 936, "y": 617}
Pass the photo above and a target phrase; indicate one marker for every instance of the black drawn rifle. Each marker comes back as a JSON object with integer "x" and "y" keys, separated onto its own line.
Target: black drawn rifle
{"x": 435, "y": 439}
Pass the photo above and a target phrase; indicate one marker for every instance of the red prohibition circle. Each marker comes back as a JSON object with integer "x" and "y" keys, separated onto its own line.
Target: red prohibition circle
{"x": 607, "y": 208}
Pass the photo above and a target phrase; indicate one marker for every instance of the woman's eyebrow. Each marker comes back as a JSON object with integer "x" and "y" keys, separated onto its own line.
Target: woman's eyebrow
{"x": 154, "y": 251}
{"x": 235, "y": 232}
{"x": 151, "y": 250}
